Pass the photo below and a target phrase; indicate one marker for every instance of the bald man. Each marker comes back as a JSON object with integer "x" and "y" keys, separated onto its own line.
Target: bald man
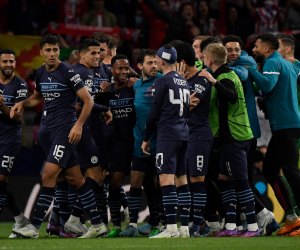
{"x": 74, "y": 57}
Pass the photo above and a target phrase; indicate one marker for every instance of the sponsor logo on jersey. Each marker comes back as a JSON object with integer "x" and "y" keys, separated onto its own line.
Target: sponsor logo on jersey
{"x": 199, "y": 88}
{"x": 76, "y": 79}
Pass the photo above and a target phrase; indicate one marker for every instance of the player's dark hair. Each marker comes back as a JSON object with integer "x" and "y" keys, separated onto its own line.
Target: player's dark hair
{"x": 113, "y": 43}
{"x": 287, "y": 40}
{"x": 168, "y": 46}
{"x": 101, "y": 37}
{"x": 117, "y": 57}
{"x": 233, "y": 38}
{"x": 204, "y": 43}
{"x": 269, "y": 39}
{"x": 85, "y": 44}
{"x": 185, "y": 52}
{"x": 7, "y": 51}
{"x": 50, "y": 39}
{"x": 175, "y": 42}
{"x": 144, "y": 53}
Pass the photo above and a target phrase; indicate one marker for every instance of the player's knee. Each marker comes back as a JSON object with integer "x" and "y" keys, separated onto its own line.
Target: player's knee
{"x": 48, "y": 180}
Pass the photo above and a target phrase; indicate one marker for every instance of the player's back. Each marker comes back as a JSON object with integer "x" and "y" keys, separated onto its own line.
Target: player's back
{"x": 171, "y": 93}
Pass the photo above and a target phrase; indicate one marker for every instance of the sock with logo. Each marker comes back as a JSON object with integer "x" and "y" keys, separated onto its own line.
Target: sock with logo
{"x": 199, "y": 201}
{"x": 184, "y": 202}
{"x": 86, "y": 196}
{"x": 61, "y": 196}
{"x": 246, "y": 201}
{"x": 42, "y": 206}
{"x": 170, "y": 202}
{"x": 124, "y": 198}
{"x": 114, "y": 202}
{"x": 134, "y": 201}
{"x": 229, "y": 201}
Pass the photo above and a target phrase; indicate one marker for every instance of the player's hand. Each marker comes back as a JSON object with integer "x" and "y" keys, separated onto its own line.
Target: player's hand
{"x": 146, "y": 145}
{"x": 180, "y": 68}
{"x": 131, "y": 81}
{"x": 108, "y": 117}
{"x": 105, "y": 86}
{"x": 193, "y": 99}
{"x": 247, "y": 66}
{"x": 17, "y": 108}
{"x": 75, "y": 134}
{"x": 208, "y": 76}
{"x": 78, "y": 108}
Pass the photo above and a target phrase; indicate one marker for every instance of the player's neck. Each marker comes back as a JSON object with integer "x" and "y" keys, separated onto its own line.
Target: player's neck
{"x": 107, "y": 60}
{"x": 168, "y": 68}
{"x": 4, "y": 79}
{"x": 120, "y": 85}
{"x": 214, "y": 67}
{"x": 191, "y": 71}
{"x": 50, "y": 68}
{"x": 86, "y": 65}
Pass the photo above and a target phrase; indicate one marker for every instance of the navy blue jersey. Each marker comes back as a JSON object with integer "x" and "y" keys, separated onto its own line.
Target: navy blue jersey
{"x": 87, "y": 76}
{"x": 121, "y": 102}
{"x": 198, "y": 117}
{"x": 13, "y": 92}
{"x": 59, "y": 89}
{"x": 102, "y": 73}
{"x": 171, "y": 103}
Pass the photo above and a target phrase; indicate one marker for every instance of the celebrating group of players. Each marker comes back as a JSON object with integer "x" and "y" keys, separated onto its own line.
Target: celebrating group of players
{"x": 186, "y": 131}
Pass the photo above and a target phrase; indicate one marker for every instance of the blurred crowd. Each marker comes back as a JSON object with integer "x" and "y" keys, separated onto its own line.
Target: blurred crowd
{"x": 158, "y": 21}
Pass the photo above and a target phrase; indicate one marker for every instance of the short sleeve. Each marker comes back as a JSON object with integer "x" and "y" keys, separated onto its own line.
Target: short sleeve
{"x": 201, "y": 87}
{"x": 37, "y": 81}
{"x": 74, "y": 81}
{"x": 22, "y": 92}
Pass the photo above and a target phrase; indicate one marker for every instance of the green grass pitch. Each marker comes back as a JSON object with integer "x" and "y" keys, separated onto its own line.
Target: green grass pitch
{"x": 53, "y": 242}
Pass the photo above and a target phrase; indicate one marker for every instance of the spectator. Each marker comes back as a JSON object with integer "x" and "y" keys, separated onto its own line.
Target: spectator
{"x": 292, "y": 10}
{"x": 72, "y": 11}
{"x": 157, "y": 27}
{"x": 25, "y": 18}
{"x": 208, "y": 25}
{"x": 3, "y": 14}
{"x": 179, "y": 25}
{"x": 99, "y": 16}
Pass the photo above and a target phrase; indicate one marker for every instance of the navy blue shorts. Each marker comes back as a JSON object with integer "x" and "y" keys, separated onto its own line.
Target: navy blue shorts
{"x": 44, "y": 140}
{"x": 234, "y": 159}
{"x": 87, "y": 150}
{"x": 170, "y": 157}
{"x": 99, "y": 139}
{"x": 8, "y": 154}
{"x": 121, "y": 157}
{"x": 62, "y": 152}
{"x": 198, "y": 156}
{"x": 145, "y": 165}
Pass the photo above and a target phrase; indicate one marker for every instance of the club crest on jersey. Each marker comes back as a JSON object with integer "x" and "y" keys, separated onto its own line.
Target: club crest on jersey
{"x": 179, "y": 82}
{"x": 94, "y": 159}
{"x": 149, "y": 91}
{"x": 199, "y": 88}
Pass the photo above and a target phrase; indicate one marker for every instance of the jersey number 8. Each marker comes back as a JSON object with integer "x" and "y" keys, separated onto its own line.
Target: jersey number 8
{"x": 184, "y": 95}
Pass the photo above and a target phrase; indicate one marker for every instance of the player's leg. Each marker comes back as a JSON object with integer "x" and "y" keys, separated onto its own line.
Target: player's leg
{"x": 198, "y": 155}
{"x": 166, "y": 162}
{"x": 50, "y": 174}
{"x": 8, "y": 153}
{"x": 120, "y": 163}
{"x": 287, "y": 152}
{"x": 134, "y": 202}
{"x": 238, "y": 167}
{"x": 271, "y": 171}
{"x": 183, "y": 191}
{"x": 265, "y": 219}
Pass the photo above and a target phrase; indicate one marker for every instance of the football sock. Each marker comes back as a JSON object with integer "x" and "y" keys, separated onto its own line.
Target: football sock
{"x": 134, "y": 201}
{"x": 170, "y": 202}
{"x": 199, "y": 201}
